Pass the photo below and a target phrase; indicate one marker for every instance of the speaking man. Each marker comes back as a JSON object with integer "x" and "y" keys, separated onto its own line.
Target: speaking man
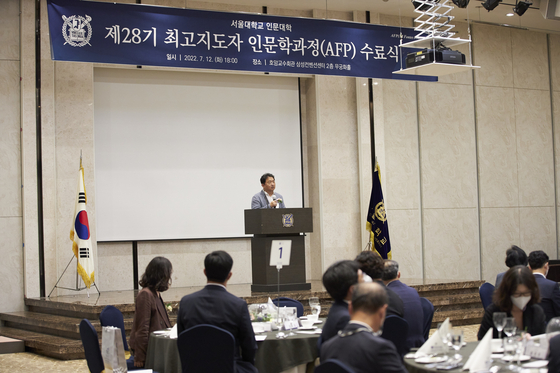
{"x": 214, "y": 305}
{"x": 266, "y": 198}
{"x": 358, "y": 344}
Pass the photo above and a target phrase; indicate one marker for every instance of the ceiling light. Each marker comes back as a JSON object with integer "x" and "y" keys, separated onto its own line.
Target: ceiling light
{"x": 521, "y": 7}
{"x": 490, "y": 4}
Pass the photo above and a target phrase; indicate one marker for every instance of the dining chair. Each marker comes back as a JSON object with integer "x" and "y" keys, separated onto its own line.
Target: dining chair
{"x": 395, "y": 329}
{"x": 90, "y": 341}
{"x": 428, "y": 309}
{"x": 333, "y": 366}
{"x": 289, "y": 302}
{"x": 112, "y": 316}
{"x": 486, "y": 292}
{"x": 206, "y": 348}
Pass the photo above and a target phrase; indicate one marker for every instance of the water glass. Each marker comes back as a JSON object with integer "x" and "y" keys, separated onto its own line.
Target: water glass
{"x": 315, "y": 306}
{"x": 510, "y": 326}
{"x": 499, "y": 319}
{"x": 510, "y": 345}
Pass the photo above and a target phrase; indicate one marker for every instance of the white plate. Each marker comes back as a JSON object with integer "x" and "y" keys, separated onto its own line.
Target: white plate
{"x": 318, "y": 322}
{"x": 514, "y": 358}
{"x": 161, "y": 332}
{"x": 310, "y": 328}
{"x": 430, "y": 359}
{"x": 497, "y": 350}
{"x": 536, "y": 364}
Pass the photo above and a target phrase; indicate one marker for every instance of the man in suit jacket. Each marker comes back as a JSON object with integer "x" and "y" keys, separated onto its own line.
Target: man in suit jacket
{"x": 554, "y": 356}
{"x": 411, "y": 300}
{"x": 216, "y": 306}
{"x": 339, "y": 280}
{"x": 358, "y": 344}
{"x": 550, "y": 293}
{"x": 372, "y": 265}
{"x": 266, "y": 198}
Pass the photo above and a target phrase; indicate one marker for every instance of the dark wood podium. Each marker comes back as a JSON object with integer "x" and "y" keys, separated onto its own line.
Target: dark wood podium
{"x": 267, "y": 225}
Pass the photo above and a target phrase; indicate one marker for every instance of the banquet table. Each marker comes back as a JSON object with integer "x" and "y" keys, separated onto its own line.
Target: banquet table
{"x": 465, "y": 351}
{"x": 273, "y": 355}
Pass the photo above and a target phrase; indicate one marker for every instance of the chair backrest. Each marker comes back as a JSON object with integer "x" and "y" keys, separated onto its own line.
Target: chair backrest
{"x": 395, "y": 329}
{"x": 428, "y": 309}
{"x": 90, "y": 341}
{"x": 206, "y": 348}
{"x": 111, "y": 316}
{"x": 486, "y": 291}
{"x": 289, "y": 302}
{"x": 333, "y": 366}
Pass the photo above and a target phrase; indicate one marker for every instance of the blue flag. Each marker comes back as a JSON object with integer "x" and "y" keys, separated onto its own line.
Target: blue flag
{"x": 376, "y": 222}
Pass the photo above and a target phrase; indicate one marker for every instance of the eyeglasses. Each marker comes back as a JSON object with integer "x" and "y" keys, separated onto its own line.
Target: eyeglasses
{"x": 518, "y": 295}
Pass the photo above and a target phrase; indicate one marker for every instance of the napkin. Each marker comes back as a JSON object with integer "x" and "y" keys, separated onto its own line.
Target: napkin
{"x": 434, "y": 344}
{"x": 173, "y": 332}
{"x": 480, "y": 358}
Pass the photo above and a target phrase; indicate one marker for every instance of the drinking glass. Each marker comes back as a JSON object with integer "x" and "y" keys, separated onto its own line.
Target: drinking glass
{"x": 456, "y": 339}
{"x": 315, "y": 306}
{"x": 510, "y": 326}
{"x": 499, "y": 319}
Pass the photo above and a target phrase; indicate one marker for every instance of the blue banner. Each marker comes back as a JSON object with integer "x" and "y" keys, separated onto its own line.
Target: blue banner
{"x": 135, "y": 34}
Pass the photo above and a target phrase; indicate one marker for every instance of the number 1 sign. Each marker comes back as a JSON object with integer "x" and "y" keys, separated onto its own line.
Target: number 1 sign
{"x": 280, "y": 251}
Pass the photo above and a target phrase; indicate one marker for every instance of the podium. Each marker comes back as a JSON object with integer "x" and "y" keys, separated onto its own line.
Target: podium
{"x": 285, "y": 224}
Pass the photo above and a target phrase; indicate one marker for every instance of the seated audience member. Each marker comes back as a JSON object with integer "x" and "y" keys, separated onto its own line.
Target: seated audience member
{"x": 517, "y": 296}
{"x": 339, "y": 280}
{"x": 411, "y": 301}
{"x": 373, "y": 265}
{"x": 550, "y": 293}
{"x": 214, "y": 305}
{"x": 358, "y": 344}
{"x": 554, "y": 355}
{"x": 150, "y": 314}
{"x": 515, "y": 256}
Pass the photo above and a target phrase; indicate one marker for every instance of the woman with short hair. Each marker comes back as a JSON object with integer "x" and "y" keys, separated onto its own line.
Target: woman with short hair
{"x": 517, "y": 295}
{"x": 150, "y": 313}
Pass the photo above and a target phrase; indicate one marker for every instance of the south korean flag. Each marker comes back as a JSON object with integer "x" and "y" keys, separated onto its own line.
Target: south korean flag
{"x": 81, "y": 236}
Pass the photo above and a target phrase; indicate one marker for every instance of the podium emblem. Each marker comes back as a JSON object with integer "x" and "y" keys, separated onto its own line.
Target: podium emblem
{"x": 288, "y": 220}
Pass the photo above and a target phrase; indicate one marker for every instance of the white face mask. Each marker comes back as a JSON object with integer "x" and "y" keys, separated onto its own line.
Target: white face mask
{"x": 520, "y": 302}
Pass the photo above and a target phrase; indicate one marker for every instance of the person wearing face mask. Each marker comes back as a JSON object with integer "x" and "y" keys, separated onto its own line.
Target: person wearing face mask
{"x": 550, "y": 293}
{"x": 359, "y": 345}
{"x": 517, "y": 295}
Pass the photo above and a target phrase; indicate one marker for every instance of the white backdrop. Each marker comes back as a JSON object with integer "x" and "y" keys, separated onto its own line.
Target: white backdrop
{"x": 179, "y": 154}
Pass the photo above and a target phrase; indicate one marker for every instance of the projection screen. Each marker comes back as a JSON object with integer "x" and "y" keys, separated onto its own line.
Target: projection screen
{"x": 178, "y": 155}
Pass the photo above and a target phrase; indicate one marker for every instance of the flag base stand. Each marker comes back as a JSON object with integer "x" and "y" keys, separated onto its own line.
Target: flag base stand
{"x": 77, "y": 288}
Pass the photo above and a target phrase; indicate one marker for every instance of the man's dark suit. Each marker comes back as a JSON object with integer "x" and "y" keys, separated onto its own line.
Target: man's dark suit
{"x": 550, "y": 296}
{"x": 214, "y": 305}
{"x": 554, "y": 357}
{"x": 395, "y": 305}
{"x": 337, "y": 319}
{"x": 363, "y": 352}
{"x": 412, "y": 312}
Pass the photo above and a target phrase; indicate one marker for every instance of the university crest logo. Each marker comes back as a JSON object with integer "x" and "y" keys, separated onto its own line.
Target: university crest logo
{"x": 77, "y": 30}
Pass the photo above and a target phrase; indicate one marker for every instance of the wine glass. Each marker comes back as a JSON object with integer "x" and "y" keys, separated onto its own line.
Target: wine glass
{"x": 510, "y": 326}
{"x": 456, "y": 341}
{"x": 499, "y": 319}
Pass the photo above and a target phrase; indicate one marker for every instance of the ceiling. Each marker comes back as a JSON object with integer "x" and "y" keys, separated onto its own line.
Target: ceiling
{"x": 532, "y": 19}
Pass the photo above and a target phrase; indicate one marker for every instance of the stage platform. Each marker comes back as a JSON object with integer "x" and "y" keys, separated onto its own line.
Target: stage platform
{"x": 50, "y": 326}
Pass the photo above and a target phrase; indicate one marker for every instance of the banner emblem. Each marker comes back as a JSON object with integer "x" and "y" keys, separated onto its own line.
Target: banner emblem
{"x": 77, "y": 30}
{"x": 380, "y": 212}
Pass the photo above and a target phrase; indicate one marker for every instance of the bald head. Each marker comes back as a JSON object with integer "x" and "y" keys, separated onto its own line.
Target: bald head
{"x": 369, "y": 297}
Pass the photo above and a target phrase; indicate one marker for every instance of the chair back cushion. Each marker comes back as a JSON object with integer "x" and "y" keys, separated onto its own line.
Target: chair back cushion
{"x": 428, "y": 309}
{"x": 206, "y": 348}
{"x": 486, "y": 292}
{"x": 333, "y": 366}
{"x": 90, "y": 341}
{"x": 395, "y": 329}
{"x": 111, "y": 316}
{"x": 289, "y": 302}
